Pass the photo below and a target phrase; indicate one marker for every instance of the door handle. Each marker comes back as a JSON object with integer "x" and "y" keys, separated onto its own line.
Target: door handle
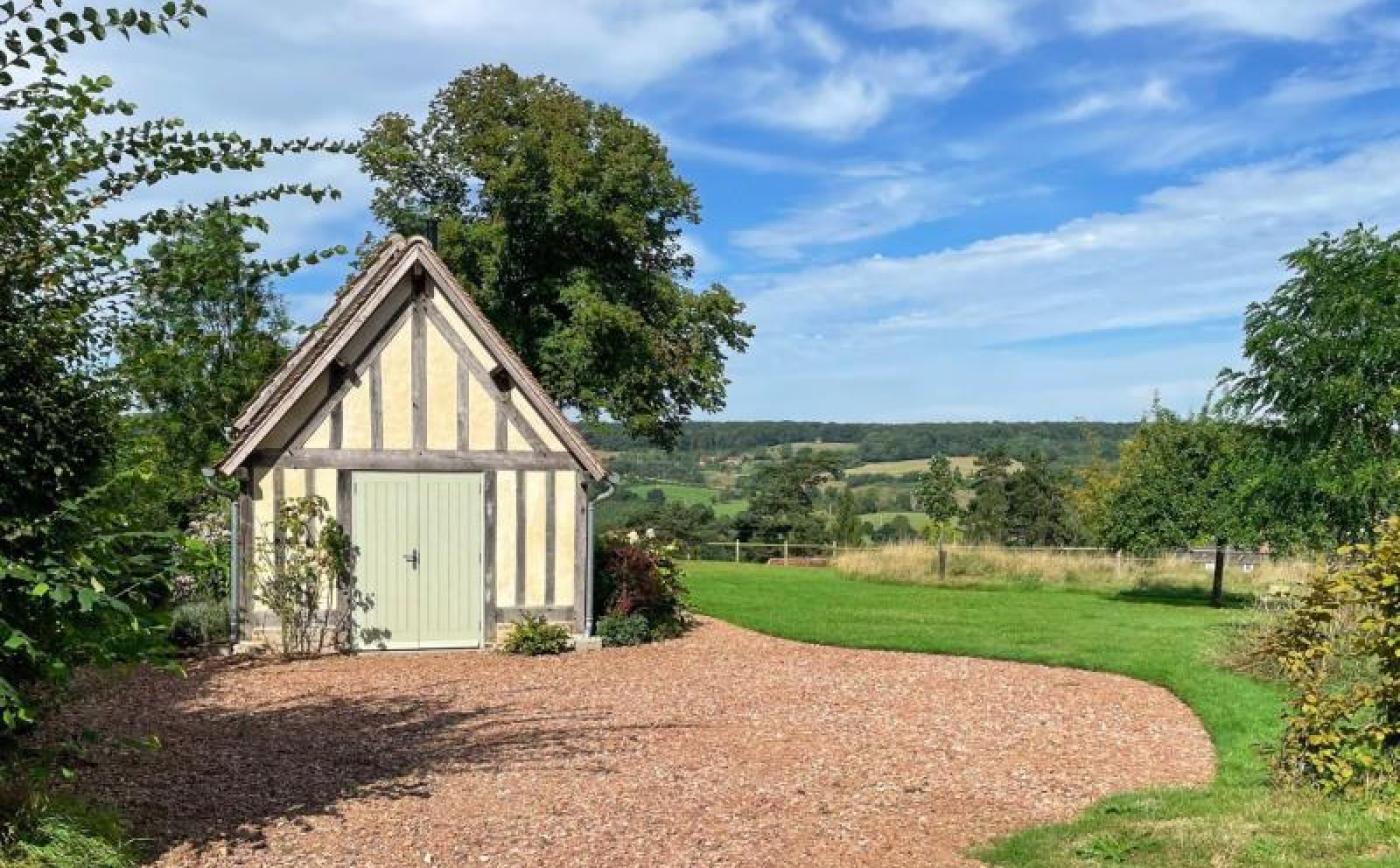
{"x": 412, "y": 558}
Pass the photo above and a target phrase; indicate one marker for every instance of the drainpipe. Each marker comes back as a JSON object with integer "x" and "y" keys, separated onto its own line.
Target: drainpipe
{"x": 609, "y": 487}
{"x": 235, "y": 571}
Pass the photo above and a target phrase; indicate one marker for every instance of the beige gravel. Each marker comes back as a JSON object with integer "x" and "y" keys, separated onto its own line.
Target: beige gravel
{"x": 721, "y": 748}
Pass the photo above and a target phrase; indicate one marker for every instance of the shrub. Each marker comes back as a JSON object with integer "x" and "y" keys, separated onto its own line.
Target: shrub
{"x": 639, "y": 576}
{"x": 300, "y": 574}
{"x": 194, "y": 625}
{"x": 39, "y": 829}
{"x": 532, "y": 635}
{"x": 616, "y": 629}
{"x": 1339, "y": 653}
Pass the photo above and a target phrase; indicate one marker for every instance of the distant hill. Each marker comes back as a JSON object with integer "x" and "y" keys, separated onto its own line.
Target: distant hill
{"x": 1062, "y": 442}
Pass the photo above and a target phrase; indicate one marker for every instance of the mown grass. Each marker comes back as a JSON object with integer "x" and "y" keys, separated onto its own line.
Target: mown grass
{"x": 1171, "y": 640}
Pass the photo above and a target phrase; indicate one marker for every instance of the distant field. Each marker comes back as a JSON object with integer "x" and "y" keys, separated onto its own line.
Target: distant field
{"x": 964, "y": 464}
{"x": 677, "y": 492}
{"x": 817, "y": 446}
{"x": 917, "y": 519}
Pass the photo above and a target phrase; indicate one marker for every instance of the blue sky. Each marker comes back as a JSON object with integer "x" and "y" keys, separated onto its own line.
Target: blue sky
{"x": 935, "y": 209}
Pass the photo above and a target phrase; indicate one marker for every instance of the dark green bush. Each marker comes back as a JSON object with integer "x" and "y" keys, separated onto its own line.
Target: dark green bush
{"x": 532, "y": 635}
{"x": 617, "y": 629}
{"x": 194, "y": 625}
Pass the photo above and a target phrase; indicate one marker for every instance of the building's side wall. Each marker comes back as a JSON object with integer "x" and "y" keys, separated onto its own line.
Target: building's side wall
{"x": 422, "y": 400}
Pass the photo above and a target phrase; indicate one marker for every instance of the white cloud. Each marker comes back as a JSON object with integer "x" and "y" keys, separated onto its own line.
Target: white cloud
{"x": 1311, "y": 86}
{"x": 872, "y": 200}
{"x": 1277, "y": 19}
{"x": 1154, "y": 94}
{"x": 850, "y": 98}
{"x": 926, "y": 337}
{"x": 993, "y": 21}
{"x": 621, "y": 45}
{"x": 1186, "y": 252}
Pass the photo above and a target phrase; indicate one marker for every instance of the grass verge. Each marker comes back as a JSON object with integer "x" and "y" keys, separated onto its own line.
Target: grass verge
{"x": 67, "y": 833}
{"x": 1171, "y": 641}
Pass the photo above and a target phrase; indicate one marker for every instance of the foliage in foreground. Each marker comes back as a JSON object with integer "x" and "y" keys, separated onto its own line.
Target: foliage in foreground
{"x": 76, "y": 569}
{"x": 1340, "y": 651}
{"x": 533, "y": 636}
{"x": 40, "y": 830}
{"x": 76, "y": 587}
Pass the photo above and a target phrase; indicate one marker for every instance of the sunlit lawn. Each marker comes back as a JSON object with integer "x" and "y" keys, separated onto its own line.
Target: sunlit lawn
{"x": 1240, "y": 820}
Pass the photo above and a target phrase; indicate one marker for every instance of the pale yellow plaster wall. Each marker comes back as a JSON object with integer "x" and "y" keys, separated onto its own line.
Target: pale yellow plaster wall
{"x": 396, "y": 374}
{"x": 354, "y": 413}
{"x": 441, "y": 391}
{"x": 536, "y": 507}
{"x": 566, "y": 492}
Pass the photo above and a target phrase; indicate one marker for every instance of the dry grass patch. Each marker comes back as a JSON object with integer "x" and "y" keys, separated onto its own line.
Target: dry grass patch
{"x": 917, "y": 563}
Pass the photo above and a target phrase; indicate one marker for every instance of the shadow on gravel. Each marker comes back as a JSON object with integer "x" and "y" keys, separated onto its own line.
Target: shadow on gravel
{"x": 225, "y": 773}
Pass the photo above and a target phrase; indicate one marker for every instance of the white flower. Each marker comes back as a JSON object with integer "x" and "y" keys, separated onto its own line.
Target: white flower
{"x": 651, "y": 533}
{"x": 632, "y": 537}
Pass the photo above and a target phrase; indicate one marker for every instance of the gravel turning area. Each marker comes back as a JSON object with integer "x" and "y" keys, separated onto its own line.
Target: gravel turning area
{"x": 721, "y": 748}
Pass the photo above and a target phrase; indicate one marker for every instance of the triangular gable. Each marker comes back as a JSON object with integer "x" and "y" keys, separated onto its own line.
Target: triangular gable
{"x": 357, "y": 355}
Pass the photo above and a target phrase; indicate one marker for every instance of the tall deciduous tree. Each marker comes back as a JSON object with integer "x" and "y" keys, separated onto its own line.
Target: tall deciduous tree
{"x": 1181, "y": 481}
{"x": 1324, "y": 360}
{"x": 204, "y": 329}
{"x": 936, "y": 493}
{"x": 564, "y": 219}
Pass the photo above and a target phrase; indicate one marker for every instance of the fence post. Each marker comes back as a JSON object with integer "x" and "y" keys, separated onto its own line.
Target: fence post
{"x": 1118, "y": 564}
{"x": 1217, "y": 583}
{"x": 833, "y": 550}
{"x": 785, "y": 550}
{"x": 942, "y": 560}
{"x": 736, "y": 551}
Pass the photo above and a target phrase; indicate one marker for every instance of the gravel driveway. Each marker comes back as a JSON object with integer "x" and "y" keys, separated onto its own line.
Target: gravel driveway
{"x": 722, "y": 748}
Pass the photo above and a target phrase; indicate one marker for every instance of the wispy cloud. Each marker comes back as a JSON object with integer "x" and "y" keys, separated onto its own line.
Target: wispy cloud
{"x": 993, "y": 21}
{"x": 1314, "y": 85}
{"x": 1278, "y": 19}
{"x": 1183, "y": 253}
{"x": 868, "y": 209}
{"x": 1154, "y": 94}
{"x": 851, "y": 97}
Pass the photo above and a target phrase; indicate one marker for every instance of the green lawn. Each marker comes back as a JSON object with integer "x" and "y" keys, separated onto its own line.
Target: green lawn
{"x": 1240, "y": 820}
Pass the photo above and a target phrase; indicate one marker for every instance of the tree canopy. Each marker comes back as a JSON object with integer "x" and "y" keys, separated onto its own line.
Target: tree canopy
{"x": 203, "y": 330}
{"x": 1323, "y": 357}
{"x": 563, "y": 217}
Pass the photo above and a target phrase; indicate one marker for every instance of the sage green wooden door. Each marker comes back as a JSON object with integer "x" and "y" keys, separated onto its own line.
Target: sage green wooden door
{"x": 420, "y": 539}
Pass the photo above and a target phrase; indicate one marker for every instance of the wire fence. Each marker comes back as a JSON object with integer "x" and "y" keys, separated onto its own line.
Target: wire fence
{"x": 785, "y": 552}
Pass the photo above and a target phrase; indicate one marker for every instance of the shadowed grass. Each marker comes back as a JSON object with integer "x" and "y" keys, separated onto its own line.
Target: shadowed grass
{"x": 1239, "y": 820}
